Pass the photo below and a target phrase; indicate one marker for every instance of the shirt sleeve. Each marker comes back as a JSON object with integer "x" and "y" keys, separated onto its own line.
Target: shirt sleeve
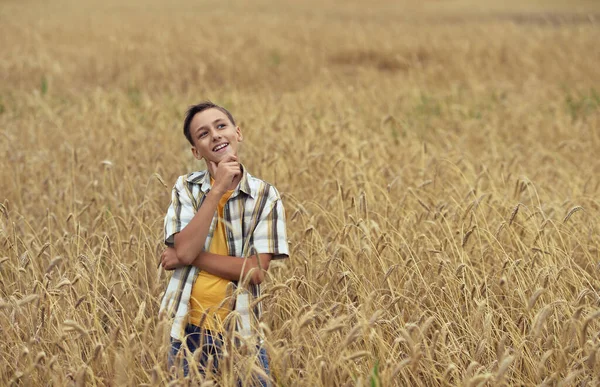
{"x": 180, "y": 212}
{"x": 270, "y": 236}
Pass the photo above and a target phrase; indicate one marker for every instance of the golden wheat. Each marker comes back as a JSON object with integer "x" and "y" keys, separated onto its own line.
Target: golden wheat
{"x": 437, "y": 161}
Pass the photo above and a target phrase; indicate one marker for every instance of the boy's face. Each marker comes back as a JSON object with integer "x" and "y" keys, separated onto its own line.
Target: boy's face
{"x": 214, "y": 136}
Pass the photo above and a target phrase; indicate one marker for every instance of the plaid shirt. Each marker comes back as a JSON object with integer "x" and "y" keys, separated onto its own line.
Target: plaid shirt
{"x": 255, "y": 221}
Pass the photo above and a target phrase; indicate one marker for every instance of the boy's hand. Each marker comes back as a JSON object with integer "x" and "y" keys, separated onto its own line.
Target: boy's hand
{"x": 224, "y": 172}
{"x": 168, "y": 259}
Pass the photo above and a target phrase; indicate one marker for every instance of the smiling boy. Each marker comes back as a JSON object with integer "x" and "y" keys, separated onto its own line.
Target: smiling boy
{"x": 216, "y": 218}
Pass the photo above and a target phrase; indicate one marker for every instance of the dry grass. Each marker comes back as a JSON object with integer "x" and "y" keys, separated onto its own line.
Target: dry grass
{"x": 438, "y": 161}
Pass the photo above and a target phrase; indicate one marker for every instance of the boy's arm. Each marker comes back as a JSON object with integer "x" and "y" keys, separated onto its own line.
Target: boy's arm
{"x": 189, "y": 241}
{"x": 224, "y": 266}
{"x": 230, "y": 268}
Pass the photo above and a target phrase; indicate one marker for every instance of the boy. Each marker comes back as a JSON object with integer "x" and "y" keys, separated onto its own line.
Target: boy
{"x": 216, "y": 218}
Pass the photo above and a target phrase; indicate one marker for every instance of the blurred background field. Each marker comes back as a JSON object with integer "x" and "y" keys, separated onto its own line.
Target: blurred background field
{"x": 437, "y": 159}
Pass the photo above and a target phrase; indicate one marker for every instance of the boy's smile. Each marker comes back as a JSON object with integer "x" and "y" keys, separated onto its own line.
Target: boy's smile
{"x": 220, "y": 147}
{"x": 214, "y": 136}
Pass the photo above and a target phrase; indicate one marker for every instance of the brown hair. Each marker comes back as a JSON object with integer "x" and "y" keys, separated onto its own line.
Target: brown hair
{"x": 200, "y": 107}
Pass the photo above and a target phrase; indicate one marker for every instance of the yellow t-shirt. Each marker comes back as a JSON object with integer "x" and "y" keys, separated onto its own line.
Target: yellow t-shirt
{"x": 209, "y": 291}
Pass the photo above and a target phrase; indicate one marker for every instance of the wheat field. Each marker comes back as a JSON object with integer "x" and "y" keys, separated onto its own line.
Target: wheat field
{"x": 438, "y": 162}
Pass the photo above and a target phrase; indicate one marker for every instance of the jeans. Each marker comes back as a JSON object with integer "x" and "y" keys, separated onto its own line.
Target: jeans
{"x": 211, "y": 345}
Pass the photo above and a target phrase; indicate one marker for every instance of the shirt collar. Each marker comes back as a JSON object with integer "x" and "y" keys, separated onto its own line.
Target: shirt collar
{"x": 203, "y": 179}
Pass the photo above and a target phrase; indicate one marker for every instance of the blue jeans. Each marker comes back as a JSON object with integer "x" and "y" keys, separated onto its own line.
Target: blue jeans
{"x": 211, "y": 345}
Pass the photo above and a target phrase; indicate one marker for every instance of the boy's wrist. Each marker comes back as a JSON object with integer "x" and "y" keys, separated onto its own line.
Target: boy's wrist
{"x": 217, "y": 190}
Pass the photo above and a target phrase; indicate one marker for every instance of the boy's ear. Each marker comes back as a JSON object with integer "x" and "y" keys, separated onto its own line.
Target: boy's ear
{"x": 196, "y": 154}
{"x": 238, "y": 131}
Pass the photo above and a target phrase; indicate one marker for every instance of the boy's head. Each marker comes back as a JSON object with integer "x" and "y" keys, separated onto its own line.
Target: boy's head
{"x": 212, "y": 132}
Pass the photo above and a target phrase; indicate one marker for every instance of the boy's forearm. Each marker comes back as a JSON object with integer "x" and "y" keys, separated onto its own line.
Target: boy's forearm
{"x": 189, "y": 242}
{"x": 230, "y": 268}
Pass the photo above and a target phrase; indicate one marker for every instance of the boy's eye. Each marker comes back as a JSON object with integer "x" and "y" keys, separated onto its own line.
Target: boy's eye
{"x": 202, "y": 134}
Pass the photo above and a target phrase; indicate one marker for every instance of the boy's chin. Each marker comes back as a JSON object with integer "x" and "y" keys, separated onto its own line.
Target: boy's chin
{"x": 222, "y": 157}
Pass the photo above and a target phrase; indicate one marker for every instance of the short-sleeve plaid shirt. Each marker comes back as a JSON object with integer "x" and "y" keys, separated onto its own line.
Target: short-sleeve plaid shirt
{"x": 255, "y": 220}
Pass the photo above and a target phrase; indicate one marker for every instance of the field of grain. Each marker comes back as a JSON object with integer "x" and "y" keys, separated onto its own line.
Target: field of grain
{"x": 438, "y": 161}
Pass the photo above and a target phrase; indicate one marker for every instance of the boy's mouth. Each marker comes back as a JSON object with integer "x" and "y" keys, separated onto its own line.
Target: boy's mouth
{"x": 220, "y": 147}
